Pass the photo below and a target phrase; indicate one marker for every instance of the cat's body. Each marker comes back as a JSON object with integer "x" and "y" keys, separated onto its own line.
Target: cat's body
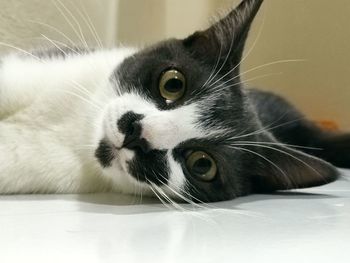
{"x": 78, "y": 121}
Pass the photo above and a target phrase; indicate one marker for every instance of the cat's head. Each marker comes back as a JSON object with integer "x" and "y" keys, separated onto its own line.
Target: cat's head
{"x": 180, "y": 107}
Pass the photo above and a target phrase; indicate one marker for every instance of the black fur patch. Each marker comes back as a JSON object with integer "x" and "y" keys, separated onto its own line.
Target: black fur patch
{"x": 150, "y": 167}
{"x": 104, "y": 153}
{"x": 125, "y": 123}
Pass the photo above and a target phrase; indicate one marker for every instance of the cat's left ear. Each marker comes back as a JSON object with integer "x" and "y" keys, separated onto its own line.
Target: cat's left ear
{"x": 225, "y": 38}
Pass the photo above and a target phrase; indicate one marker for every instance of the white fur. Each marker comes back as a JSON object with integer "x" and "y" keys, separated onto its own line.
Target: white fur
{"x": 47, "y": 121}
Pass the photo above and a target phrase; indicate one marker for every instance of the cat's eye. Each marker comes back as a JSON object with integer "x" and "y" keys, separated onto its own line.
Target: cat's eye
{"x": 201, "y": 165}
{"x": 172, "y": 85}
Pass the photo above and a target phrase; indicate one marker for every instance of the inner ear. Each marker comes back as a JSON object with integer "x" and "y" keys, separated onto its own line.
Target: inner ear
{"x": 283, "y": 168}
{"x": 225, "y": 38}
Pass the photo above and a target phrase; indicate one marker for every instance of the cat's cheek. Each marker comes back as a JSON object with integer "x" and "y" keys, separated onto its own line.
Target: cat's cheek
{"x": 106, "y": 127}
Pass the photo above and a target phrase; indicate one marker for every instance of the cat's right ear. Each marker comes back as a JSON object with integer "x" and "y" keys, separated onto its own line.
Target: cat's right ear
{"x": 226, "y": 38}
{"x": 283, "y": 168}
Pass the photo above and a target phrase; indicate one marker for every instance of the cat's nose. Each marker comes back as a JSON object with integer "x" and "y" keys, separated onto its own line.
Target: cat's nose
{"x": 133, "y": 141}
{"x": 130, "y": 125}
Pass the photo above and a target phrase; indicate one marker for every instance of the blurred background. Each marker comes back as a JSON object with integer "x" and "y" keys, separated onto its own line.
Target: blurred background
{"x": 316, "y": 31}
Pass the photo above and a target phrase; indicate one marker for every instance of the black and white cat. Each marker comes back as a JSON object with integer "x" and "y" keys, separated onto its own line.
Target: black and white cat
{"x": 171, "y": 120}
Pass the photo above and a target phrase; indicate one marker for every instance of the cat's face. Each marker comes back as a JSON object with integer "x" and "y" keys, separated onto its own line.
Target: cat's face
{"x": 179, "y": 105}
{"x": 173, "y": 125}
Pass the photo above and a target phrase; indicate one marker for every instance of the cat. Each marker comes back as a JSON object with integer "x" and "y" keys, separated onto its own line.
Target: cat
{"x": 171, "y": 120}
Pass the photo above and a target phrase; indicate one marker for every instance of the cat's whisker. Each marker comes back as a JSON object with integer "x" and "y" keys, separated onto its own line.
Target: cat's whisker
{"x": 115, "y": 90}
{"x": 87, "y": 20}
{"x": 81, "y": 88}
{"x": 99, "y": 39}
{"x": 60, "y": 44}
{"x": 161, "y": 191}
{"x": 85, "y": 91}
{"x": 167, "y": 199}
{"x": 224, "y": 62}
{"x": 178, "y": 193}
{"x": 191, "y": 199}
{"x": 215, "y": 90}
{"x": 237, "y": 147}
{"x": 89, "y": 97}
{"x": 188, "y": 184}
{"x": 138, "y": 190}
{"x": 264, "y": 129}
{"x": 75, "y": 20}
{"x": 54, "y": 29}
{"x": 245, "y": 56}
{"x": 214, "y": 68}
{"x": 267, "y": 127}
{"x": 283, "y": 152}
{"x": 141, "y": 195}
{"x": 202, "y": 205}
{"x": 83, "y": 99}
{"x": 263, "y": 66}
{"x": 283, "y": 61}
{"x": 223, "y": 87}
{"x": 53, "y": 43}
{"x": 184, "y": 198}
{"x": 22, "y": 51}
{"x": 78, "y": 33}
{"x": 160, "y": 198}
{"x": 170, "y": 200}
{"x": 281, "y": 144}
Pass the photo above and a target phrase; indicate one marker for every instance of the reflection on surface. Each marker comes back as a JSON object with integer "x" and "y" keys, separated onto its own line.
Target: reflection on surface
{"x": 312, "y": 224}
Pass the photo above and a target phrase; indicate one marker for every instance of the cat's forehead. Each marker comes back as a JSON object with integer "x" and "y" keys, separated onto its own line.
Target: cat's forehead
{"x": 204, "y": 83}
{"x": 155, "y": 59}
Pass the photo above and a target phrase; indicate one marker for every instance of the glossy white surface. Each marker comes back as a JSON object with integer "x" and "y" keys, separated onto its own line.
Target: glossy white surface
{"x": 302, "y": 226}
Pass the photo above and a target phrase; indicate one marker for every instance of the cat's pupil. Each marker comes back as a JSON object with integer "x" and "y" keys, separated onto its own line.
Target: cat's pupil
{"x": 173, "y": 85}
{"x": 201, "y": 166}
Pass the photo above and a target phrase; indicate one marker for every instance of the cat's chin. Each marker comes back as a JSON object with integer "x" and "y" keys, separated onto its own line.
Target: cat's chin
{"x": 117, "y": 172}
{"x": 114, "y": 165}
{"x": 108, "y": 155}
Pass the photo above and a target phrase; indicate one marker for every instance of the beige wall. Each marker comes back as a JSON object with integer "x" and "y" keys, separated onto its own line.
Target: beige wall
{"x": 315, "y": 30}
{"x": 24, "y": 22}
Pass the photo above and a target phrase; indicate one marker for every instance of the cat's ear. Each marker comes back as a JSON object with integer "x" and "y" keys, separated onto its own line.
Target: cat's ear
{"x": 226, "y": 38}
{"x": 282, "y": 168}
